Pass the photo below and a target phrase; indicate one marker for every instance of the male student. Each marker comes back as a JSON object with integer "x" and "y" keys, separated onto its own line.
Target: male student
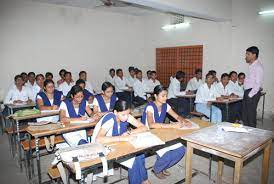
{"x": 180, "y": 105}
{"x": 49, "y": 76}
{"x": 31, "y": 80}
{"x": 140, "y": 89}
{"x": 111, "y": 76}
{"x": 121, "y": 87}
{"x": 234, "y": 87}
{"x": 83, "y": 76}
{"x": 148, "y": 75}
{"x": 222, "y": 88}
{"x": 131, "y": 78}
{"x": 194, "y": 83}
{"x": 215, "y": 79}
{"x": 67, "y": 84}
{"x": 38, "y": 86}
{"x": 18, "y": 93}
{"x": 25, "y": 77}
{"x": 152, "y": 82}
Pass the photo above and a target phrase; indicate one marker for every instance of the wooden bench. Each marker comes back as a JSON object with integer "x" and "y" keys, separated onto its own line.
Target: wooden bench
{"x": 54, "y": 174}
{"x": 197, "y": 114}
{"x": 9, "y": 130}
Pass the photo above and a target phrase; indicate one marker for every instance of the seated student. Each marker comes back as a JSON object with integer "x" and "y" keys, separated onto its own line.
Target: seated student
{"x": 139, "y": 88}
{"x": 31, "y": 80}
{"x": 18, "y": 93}
{"x": 25, "y": 77}
{"x": 39, "y": 85}
{"x": 241, "y": 79}
{"x": 180, "y": 105}
{"x": 110, "y": 78}
{"x": 49, "y": 76}
{"x": 49, "y": 98}
{"x": 83, "y": 76}
{"x": 88, "y": 96}
{"x": 131, "y": 78}
{"x": 214, "y": 73}
{"x": 194, "y": 83}
{"x": 148, "y": 75}
{"x": 62, "y": 77}
{"x": 152, "y": 82}
{"x": 222, "y": 88}
{"x": 74, "y": 108}
{"x": 67, "y": 84}
{"x": 153, "y": 116}
{"x": 105, "y": 101}
{"x": 206, "y": 93}
{"x": 112, "y": 127}
{"x": 121, "y": 86}
{"x": 234, "y": 87}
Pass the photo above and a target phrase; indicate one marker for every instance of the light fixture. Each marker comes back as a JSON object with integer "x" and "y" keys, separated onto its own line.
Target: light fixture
{"x": 266, "y": 12}
{"x": 177, "y": 22}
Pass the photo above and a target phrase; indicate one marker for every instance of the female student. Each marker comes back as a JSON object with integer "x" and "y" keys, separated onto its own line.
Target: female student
{"x": 153, "y": 117}
{"x": 88, "y": 96}
{"x": 74, "y": 108}
{"x": 113, "y": 128}
{"x": 105, "y": 102}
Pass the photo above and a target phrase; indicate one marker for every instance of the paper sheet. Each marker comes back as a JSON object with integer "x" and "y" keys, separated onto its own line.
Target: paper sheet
{"x": 234, "y": 129}
{"x": 146, "y": 139}
{"x": 193, "y": 126}
{"x": 49, "y": 111}
{"x": 89, "y": 120}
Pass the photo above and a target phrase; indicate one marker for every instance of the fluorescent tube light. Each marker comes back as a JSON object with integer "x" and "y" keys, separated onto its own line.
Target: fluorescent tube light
{"x": 267, "y": 12}
{"x": 176, "y": 26}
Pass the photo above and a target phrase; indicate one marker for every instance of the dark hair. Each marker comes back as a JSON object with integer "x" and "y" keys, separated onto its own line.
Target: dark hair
{"x": 232, "y": 72}
{"x": 39, "y": 75}
{"x": 17, "y": 77}
{"x": 212, "y": 71}
{"x": 198, "y": 71}
{"x": 67, "y": 73}
{"x": 208, "y": 74}
{"x": 73, "y": 91}
{"x": 240, "y": 74}
{"x": 180, "y": 75}
{"x": 111, "y": 70}
{"x": 148, "y": 72}
{"x": 48, "y": 81}
{"x": 131, "y": 68}
{"x": 224, "y": 75}
{"x": 158, "y": 89}
{"x": 61, "y": 71}
{"x": 23, "y": 73}
{"x": 153, "y": 72}
{"x": 106, "y": 85}
{"x": 253, "y": 50}
{"x": 138, "y": 71}
{"x": 118, "y": 70}
{"x": 80, "y": 81}
{"x": 80, "y": 73}
{"x": 49, "y": 74}
{"x": 121, "y": 105}
{"x": 31, "y": 73}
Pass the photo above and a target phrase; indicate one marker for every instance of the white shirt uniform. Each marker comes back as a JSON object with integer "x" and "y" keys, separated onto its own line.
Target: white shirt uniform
{"x": 205, "y": 94}
{"x": 236, "y": 88}
{"x": 221, "y": 90}
{"x": 65, "y": 87}
{"x": 174, "y": 89}
{"x": 63, "y": 106}
{"x": 35, "y": 89}
{"x": 89, "y": 87}
{"x": 14, "y": 94}
{"x": 95, "y": 103}
{"x": 120, "y": 84}
{"x": 193, "y": 84}
{"x": 130, "y": 81}
{"x": 140, "y": 88}
{"x": 150, "y": 109}
{"x": 152, "y": 84}
{"x": 110, "y": 79}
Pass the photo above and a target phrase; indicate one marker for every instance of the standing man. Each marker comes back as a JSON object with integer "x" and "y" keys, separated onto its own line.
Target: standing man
{"x": 252, "y": 86}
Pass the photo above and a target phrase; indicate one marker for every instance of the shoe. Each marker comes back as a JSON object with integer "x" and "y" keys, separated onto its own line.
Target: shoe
{"x": 160, "y": 176}
{"x": 166, "y": 173}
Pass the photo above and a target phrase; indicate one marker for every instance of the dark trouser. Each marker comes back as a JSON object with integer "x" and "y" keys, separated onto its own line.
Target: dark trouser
{"x": 249, "y": 115}
{"x": 124, "y": 96}
{"x": 180, "y": 106}
{"x": 234, "y": 112}
{"x": 138, "y": 101}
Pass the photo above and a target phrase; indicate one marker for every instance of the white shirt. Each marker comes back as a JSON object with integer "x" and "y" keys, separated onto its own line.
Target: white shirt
{"x": 221, "y": 90}
{"x": 236, "y": 88}
{"x": 110, "y": 79}
{"x": 174, "y": 89}
{"x": 35, "y": 89}
{"x": 95, "y": 103}
{"x": 50, "y": 100}
{"x": 193, "y": 84}
{"x": 63, "y": 106}
{"x": 65, "y": 87}
{"x": 140, "y": 88}
{"x": 120, "y": 84}
{"x": 130, "y": 81}
{"x": 14, "y": 94}
{"x": 89, "y": 87}
{"x": 205, "y": 94}
{"x": 150, "y": 109}
{"x": 152, "y": 84}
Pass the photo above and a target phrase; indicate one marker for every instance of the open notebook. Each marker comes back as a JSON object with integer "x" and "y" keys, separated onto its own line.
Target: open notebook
{"x": 145, "y": 140}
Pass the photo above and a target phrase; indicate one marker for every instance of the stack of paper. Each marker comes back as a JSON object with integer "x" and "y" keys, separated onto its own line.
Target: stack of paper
{"x": 145, "y": 140}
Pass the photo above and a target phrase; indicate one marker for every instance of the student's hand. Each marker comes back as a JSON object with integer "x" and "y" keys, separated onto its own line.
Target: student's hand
{"x": 127, "y": 133}
{"x": 55, "y": 107}
{"x": 83, "y": 118}
{"x": 29, "y": 101}
{"x": 96, "y": 116}
{"x": 189, "y": 92}
{"x": 219, "y": 98}
{"x": 17, "y": 101}
{"x": 177, "y": 125}
{"x": 131, "y": 138}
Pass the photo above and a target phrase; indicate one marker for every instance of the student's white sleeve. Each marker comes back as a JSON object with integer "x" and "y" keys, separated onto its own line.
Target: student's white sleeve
{"x": 177, "y": 90}
{"x": 168, "y": 107}
{"x": 120, "y": 85}
{"x": 150, "y": 109}
{"x": 95, "y": 102}
{"x": 108, "y": 125}
{"x": 63, "y": 106}
{"x": 39, "y": 97}
{"x": 8, "y": 98}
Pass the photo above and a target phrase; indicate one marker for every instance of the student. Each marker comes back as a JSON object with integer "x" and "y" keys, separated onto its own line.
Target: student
{"x": 180, "y": 105}
{"x": 67, "y": 84}
{"x": 206, "y": 93}
{"x": 110, "y": 78}
{"x": 153, "y": 116}
{"x": 121, "y": 86}
{"x": 105, "y": 102}
{"x": 39, "y": 85}
{"x": 18, "y": 93}
{"x": 148, "y": 75}
{"x": 83, "y": 76}
{"x": 88, "y": 96}
{"x": 139, "y": 89}
{"x": 31, "y": 80}
{"x": 62, "y": 77}
{"x": 214, "y": 73}
{"x": 131, "y": 78}
{"x": 194, "y": 83}
{"x": 222, "y": 88}
{"x": 241, "y": 79}
{"x": 234, "y": 88}
{"x": 74, "y": 108}
{"x": 49, "y": 76}
{"x": 25, "y": 77}
{"x": 152, "y": 82}
{"x": 113, "y": 128}
{"x": 49, "y": 98}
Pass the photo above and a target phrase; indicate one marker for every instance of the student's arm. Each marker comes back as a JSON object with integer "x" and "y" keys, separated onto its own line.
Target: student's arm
{"x": 65, "y": 119}
{"x": 155, "y": 125}
{"x": 180, "y": 119}
{"x": 103, "y": 139}
{"x": 8, "y": 98}
{"x": 140, "y": 127}
{"x": 41, "y": 106}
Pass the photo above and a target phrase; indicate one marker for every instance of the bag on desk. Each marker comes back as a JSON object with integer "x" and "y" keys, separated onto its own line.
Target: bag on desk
{"x": 73, "y": 155}
{"x": 26, "y": 112}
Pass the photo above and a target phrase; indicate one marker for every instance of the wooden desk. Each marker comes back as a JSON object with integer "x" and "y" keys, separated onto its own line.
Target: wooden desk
{"x": 191, "y": 100}
{"x": 237, "y": 147}
{"x": 11, "y": 107}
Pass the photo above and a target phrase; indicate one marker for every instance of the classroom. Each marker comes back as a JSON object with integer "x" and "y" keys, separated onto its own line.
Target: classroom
{"x": 136, "y": 91}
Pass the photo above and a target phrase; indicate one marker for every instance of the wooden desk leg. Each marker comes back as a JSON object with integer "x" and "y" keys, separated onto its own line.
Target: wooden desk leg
{"x": 266, "y": 160}
{"x": 237, "y": 171}
{"x": 220, "y": 170}
{"x": 189, "y": 153}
